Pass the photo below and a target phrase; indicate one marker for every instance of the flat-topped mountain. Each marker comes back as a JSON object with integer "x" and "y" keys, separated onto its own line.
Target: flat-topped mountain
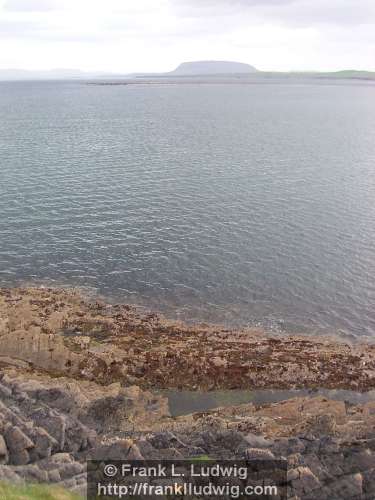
{"x": 212, "y": 68}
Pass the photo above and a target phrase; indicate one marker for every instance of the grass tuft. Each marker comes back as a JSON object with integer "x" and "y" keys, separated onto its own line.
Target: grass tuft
{"x": 34, "y": 492}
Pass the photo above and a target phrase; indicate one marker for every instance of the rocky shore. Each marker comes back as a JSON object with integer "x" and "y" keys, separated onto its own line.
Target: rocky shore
{"x": 78, "y": 380}
{"x": 61, "y": 332}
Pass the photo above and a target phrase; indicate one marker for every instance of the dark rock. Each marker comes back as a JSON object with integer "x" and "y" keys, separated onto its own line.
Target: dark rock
{"x": 16, "y": 440}
{"x": 303, "y": 481}
{"x": 4, "y": 456}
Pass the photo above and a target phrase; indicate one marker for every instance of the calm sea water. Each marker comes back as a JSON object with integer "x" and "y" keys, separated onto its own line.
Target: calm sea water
{"x": 228, "y": 203}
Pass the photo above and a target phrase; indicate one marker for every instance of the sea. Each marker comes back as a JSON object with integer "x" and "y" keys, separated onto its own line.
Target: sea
{"x": 244, "y": 204}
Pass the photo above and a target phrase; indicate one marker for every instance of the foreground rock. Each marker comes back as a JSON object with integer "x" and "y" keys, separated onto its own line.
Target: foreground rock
{"x": 50, "y": 427}
{"x": 76, "y": 378}
{"x": 59, "y": 331}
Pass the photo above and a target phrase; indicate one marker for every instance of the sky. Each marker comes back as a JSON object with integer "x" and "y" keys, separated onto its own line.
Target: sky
{"x": 125, "y": 36}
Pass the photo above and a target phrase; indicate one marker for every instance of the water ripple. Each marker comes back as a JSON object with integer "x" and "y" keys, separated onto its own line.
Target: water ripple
{"x": 224, "y": 203}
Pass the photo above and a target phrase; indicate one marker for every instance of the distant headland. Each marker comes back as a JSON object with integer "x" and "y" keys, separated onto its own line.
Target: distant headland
{"x": 212, "y": 68}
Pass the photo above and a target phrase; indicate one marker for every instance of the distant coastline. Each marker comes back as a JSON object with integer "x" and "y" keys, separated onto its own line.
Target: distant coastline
{"x": 213, "y": 71}
{"x": 258, "y": 78}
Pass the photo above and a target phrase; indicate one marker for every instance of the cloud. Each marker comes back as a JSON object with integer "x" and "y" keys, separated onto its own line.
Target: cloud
{"x": 31, "y": 5}
{"x": 288, "y": 12}
{"x": 156, "y": 35}
{"x": 229, "y": 4}
{"x": 320, "y": 12}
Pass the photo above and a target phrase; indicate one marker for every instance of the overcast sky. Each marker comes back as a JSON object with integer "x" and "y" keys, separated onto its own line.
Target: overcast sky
{"x": 156, "y": 35}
